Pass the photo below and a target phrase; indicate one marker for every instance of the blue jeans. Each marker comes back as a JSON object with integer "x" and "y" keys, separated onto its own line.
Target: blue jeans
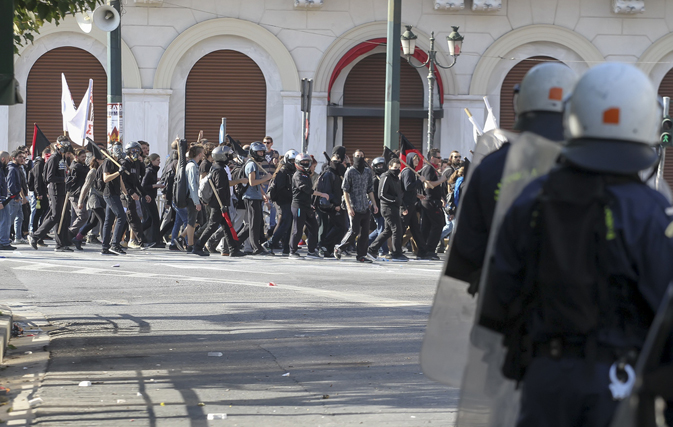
{"x": 114, "y": 209}
{"x": 181, "y": 218}
{"x": 15, "y": 217}
{"x": 33, "y": 209}
{"x": 380, "y": 226}
{"x": 5, "y": 225}
{"x": 448, "y": 228}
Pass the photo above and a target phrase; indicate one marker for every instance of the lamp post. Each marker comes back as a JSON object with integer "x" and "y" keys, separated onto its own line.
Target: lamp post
{"x": 455, "y": 41}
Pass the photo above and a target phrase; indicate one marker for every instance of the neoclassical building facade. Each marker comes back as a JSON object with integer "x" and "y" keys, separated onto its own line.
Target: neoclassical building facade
{"x": 187, "y": 63}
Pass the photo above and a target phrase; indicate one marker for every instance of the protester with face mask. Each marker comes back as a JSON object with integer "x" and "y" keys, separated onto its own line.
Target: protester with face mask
{"x": 114, "y": 211}
{"x": 37, "y": 185}
{"x": 54, "y": 175}
{"x": 74, "y": 184}
{"x": 280, "y": 192}
{"x": 333, "y": 215}
{"x": 390, "y": 194}
{"x": 303, "y": 212}
{"x": 358, "y": 188}
{"x": 253, "y": 199}
{"x": 380, "y": 167}
{"x": 432, "y": 213}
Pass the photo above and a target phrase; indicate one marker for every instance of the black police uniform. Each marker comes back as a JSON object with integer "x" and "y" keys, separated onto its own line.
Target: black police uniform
{"x": 584, "y": 303}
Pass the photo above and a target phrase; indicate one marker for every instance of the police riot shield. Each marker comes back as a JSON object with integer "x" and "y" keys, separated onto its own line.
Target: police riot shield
{"x": 487, "y": 398}
{"x": 654, "y": 378}
{"x": 444, "y": 351}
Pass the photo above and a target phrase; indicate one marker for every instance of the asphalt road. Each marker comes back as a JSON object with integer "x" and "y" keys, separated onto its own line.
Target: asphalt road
{"x": 332, "y": 343}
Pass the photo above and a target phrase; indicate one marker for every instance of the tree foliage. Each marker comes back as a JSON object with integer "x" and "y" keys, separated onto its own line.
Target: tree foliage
{"x": 30, "y": 15}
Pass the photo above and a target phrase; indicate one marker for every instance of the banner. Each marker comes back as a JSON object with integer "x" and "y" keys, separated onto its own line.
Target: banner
{"x": 40, "y": 142}
{"x": 114, "y": 123}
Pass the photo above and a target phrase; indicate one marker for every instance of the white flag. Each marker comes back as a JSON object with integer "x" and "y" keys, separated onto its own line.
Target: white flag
{"x": 491, "y": 123}
{"x": 76, "y": 121}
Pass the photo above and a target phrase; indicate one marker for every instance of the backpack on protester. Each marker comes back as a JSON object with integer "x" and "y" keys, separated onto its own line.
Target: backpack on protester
{"x": 238, "y": 172}
{"x": 206, "y": 189}
{"x": 98, "y": 182}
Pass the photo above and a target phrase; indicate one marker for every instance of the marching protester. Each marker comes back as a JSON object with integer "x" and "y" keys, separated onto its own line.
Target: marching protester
{"x": 432, "y": 214}
{"x": 412, "y": 186}
{"x": 74, "y": 184}
{"x": 132, "y": 168}
{"x": 303, "y": 211}
{"x": 216, "y": 183}
{"x": 150, "y": 184}
{"x": 380, "y": 167}
{"x": 358, "y": 191}
{"x": 38, "y": 187}
{"x": 280, "y": 192}
{"x": 253, "y": 198}
{"x": 54, "y": 176}
{"x": 333, "y": 215}
{"x": 114, "y": 210}
{"x": 5, "y": 223}
{"x": 15, "y": 185}
{"x": 390, "y": 194}
{"x": 91, "y": 198}
{"x": 270, "y": 164}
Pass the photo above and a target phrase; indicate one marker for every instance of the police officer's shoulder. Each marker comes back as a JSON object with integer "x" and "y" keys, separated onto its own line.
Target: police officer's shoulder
{"x": 499, "y": 155}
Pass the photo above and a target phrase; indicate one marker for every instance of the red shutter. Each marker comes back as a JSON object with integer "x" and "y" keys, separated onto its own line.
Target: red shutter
{"x": 666, "y": 89}
{"x": 43, "y": 91}
{"x": 366, "y": 87}
{"x": 226, "y": 83}
{"x": 513, "y": 78}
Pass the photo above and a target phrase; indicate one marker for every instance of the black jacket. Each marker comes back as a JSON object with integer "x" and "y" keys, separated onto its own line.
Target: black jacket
{"x": 283, "y": 184}
{"x": 390, "y": 190}
{"x": 132, "y": 178}
{"x": 149, "y": 180}
{"x": 36, "y": 182}
{"x": 54, "y": 172}
{"x": 410, "y": 185}
{"x": 78, "y": 173}
{"x": 302, "y": 189}
{"x": 219, "y": 177}
{"x": 331, "y": 184}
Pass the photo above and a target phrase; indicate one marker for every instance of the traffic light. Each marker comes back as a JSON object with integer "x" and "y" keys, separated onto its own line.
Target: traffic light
{"x": 666, "y": 139}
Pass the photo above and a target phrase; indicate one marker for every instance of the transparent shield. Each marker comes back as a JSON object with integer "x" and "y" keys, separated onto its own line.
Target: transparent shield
{"x": 444, "y": 352}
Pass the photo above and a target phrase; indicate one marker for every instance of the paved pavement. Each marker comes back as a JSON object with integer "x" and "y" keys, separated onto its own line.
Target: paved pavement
{"x": 332, "y": 343}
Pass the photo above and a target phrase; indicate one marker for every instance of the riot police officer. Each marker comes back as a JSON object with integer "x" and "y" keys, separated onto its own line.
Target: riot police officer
{"x": 582, "y": 259}
{"x": 539, "y": 109}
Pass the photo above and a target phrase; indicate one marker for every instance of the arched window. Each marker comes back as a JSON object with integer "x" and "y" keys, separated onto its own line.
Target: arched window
{"x": 226, "y": 83}
{"x": 43, "y": 91}
{"x": 513, "y": 78}
{"x": 365, "y": 86}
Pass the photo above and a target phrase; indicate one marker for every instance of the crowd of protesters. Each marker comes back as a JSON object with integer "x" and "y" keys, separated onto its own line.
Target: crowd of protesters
{"x": 231, "y": 200}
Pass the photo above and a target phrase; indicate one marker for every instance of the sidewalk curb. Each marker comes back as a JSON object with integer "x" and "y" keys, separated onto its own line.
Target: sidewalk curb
{"x": 6, "y": 323}
{"x": 24, "y": 366}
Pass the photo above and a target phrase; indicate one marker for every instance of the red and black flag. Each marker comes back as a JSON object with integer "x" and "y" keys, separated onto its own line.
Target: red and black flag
{"x": 93, "y": 148}
{"x": 40, "y": 142}
{"x": 407, "y": 148}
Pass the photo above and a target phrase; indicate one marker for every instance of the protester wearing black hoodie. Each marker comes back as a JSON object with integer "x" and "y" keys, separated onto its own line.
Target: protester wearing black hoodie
{"x": 390, "y": 194}
{"x": 331, "y": 211}
{"x": 280, "y": 192}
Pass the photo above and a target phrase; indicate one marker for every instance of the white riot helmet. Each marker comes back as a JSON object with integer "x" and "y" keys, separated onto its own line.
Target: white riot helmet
{"x": 612, "y": 120}
{"x": 544, "y": 88}
{"x": 290, "y": 156}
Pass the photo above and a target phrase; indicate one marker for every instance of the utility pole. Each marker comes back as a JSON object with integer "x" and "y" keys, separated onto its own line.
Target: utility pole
{"x": 114, "y": 81}
{"x": 392, "y": 114}
{"x": 9, "y": 88}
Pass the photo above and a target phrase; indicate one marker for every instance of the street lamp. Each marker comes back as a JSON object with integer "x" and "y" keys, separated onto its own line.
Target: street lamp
{"x": 455, "y": 41}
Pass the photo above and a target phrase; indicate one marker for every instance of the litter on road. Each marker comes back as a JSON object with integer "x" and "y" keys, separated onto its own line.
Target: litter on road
{"x": 286, "y": 375}
{"x": 214, "y": 354}
{"x": 35, "y": 402}
{"x": 217, "y": 417}
{"x": 85, "y": 384}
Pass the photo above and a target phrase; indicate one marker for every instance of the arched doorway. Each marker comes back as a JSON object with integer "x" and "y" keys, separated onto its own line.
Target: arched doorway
{"x": 43, "y": 91}
{"x": 226, "y": 83}
{"x": 666, "y": 89}
{"x": 365, "y": 87}
{"x": 514, "y": 77}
